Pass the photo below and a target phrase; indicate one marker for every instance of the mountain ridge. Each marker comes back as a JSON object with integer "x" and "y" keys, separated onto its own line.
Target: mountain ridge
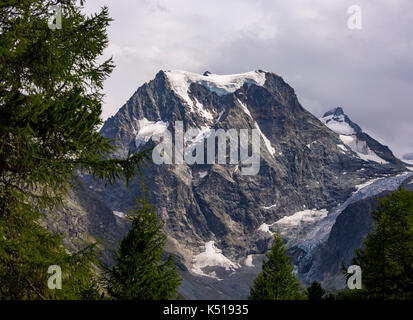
{"x": 360, "y": 142}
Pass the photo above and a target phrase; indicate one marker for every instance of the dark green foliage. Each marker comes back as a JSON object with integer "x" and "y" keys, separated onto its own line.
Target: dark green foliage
{"x": 50, "y": 103}
{"x": 386, "y": 259}
{"x": 50, "y": 106}
{"x": 315, "y": 291}
{"x": 26, "y": 252}
{"x": 276, "y": 281}
{"x": 142, "y": 271}
{"x": 347, "y": 294}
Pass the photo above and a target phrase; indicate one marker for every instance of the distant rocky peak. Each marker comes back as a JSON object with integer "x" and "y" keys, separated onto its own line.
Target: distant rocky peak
{"x": 364, "y": 146}
{"x": 180, "y": 82}
{"x": 335, "y": 112}
{"x": 339, "y": 122}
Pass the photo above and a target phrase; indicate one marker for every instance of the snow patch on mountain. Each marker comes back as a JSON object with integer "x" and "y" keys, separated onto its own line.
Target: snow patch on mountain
{"x": 147, "y": 129}
{"x": 265, "y": 228}
{"x": 269, "y": 207}
{"x": 119, "y": 214}
{"x": 267, "y": 142}
{"x": 180, "y": 82}
{"x": 365, "y": 184}
{"x": 244, "y": 108}
{"x": 309, "y": 145}
{"x": 248, "y": 261}
{"x": 290, "y": 227}
{"x": 301, "y": 217}
{"x": 202, "y": 174}
{"x": 361, "y": 148}
{"x": 338, "y": 124}
{"x": 342, "y": 147}
{"x": 212, "y": 257}
{"x": 202, "y": 110}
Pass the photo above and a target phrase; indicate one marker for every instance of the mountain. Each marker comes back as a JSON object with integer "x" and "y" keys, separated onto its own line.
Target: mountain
{"x": 353, "y": 137}
{"x": 347, "y": 234}
{"x": 349, "y": 224}
{"x": 218, "y": 221}
{"x": 85, "y": 218}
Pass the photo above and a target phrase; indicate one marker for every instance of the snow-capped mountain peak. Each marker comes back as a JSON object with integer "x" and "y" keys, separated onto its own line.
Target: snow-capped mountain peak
{"x": 180, "y": 82}
{"x": 338, "y": 111}
{"x": 352, "y": 135}
{"x": 339, "y": 122}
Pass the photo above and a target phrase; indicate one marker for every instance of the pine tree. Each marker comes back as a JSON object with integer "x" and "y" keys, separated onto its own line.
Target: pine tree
{"x": 26, "y": 252}
{"x": 315, "y": 291}
{"x": 386, "y": 259}
{"x": 142, "y": 271}
{"x": 50, "y": 107}
{"x": 276, "y": 281}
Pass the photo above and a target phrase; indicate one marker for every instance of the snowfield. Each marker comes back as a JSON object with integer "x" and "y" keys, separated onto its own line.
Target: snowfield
{"x": 361, "y": 149}
{"x": 365, "y": 184}
{"x": 269, "y": 207}
{"x": 201, "y": 110}
{"x": 212, "y": 257}
{"x": 338, "y": 124}
{"x": 248, "y": 261}
{"x": 265, "y": 228}
{"x": 301, "y": 217}
{"x": 147, "y": 129}
{"x": 119, "y": 214}
{"x": 220, "y": 84}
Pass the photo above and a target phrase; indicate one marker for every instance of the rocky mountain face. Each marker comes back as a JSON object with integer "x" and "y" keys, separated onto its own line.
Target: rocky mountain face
{"x": 347, "y": 234}
{"x": 218, "y": 221}
{"x": 360, "y": 142}
{"x": 84, "y": 218}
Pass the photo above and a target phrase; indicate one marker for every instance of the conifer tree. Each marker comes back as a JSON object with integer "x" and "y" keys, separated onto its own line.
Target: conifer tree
{"x": 50, "y": 107}
{"x": 315, "y": 291}
{"x": 142, "y": 271}
{"x": 276, "y": 281}
{"x": 386, "y": 258}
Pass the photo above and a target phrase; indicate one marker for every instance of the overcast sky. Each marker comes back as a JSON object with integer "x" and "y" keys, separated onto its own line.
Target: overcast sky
{"x": 368, "y": 72}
